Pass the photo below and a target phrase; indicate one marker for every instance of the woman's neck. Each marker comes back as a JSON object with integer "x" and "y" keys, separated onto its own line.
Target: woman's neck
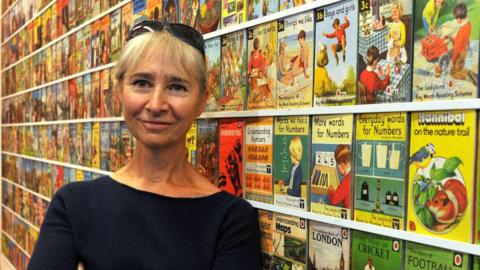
{"x": 164, "y": 171}
{"x": 155, "y": 165}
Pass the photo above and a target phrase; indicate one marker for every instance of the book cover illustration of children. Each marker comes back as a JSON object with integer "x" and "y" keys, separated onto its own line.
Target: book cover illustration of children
{"x": 336, "y": 54}
{"x": 262, "y": 70}
{"x": 294, "y": 61}
{"x": 212, "y": 52}
{"x": 233, "y": 76}
{"x": 384, "y": 51}
{"x": 332, "y": 163}
{"x": 446, "y": 50}
{"x": 259, "y": 8}
{"x": 291, "y": 161}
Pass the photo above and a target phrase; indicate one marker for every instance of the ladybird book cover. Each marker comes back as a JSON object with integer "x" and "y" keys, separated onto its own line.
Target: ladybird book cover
{"x": 441, "y": 174}
{"x": 329, "y": 246}
{"x": 288, "y": 4}
{"x": 189, "y": 10}
{"x": 262, "y": 70}
{"x": 210, "y": 13}
{"x": 230, "y": 178}
{"x": 154, "y": 10}
{"x": 419, "y": 257}
{"x": 295, "y": 61}
{"x": 373, "y": 251}
{"x": 191, "y": 142}
{"x": 446, "y": 49}
{"x": 291, "y": 144}
{"x": 233, "y": 12}
{"x": 258, "y": 159}
{"x": 335, "y": 54}
{"x": 233, "y": 72}
{"x": 212, "y": 52}
{"x": 265, "y": 219}
{"x": 207, "y": 148}
{"x": 289, "y": 242}
{"x": 332, "y": 164}
{"x": 384, "y": 51}
{"x": 170, "y": 12}
{"x": 380, "y": 169}
{"x": 259, "y": 8}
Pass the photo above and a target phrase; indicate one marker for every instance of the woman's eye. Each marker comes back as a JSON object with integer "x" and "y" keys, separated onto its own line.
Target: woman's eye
{"x": 141, "y": 84}
{"x": 177, "y": 88}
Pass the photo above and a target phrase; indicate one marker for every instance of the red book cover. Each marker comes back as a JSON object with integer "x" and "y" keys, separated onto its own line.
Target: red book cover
{"x": 231, "y": 156}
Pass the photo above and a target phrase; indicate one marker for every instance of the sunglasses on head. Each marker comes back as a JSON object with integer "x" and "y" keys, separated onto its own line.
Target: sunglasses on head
{"x": 184, "y": 32}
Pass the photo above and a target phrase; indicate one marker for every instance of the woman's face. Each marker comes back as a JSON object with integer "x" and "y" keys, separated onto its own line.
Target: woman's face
{"x": 161, "y": 102}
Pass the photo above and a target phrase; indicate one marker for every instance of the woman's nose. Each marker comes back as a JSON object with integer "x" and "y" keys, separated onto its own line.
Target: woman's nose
{"x": 158, "y": 101}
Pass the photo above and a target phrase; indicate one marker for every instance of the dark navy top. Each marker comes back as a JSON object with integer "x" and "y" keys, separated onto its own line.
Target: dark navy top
{"x": 109, "y": 225}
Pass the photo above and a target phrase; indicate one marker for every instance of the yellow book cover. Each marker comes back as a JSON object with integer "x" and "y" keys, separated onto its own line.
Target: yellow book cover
{"x": 46, "y": 24}
{"x": 291, "y": 161}
{"x": 262, "y": 75}
{"x": 476, "y": 233}
{"x": 233, "y": 12}
{"x": 380, "y": 176}
{"x": 265, "y": 219}
{"x": 96, "y": 145}
{"x": 331, "y": 161}
{"x": 191, "y": 142}
{"x": 441, "y": 174}
{"x": 258, "y": 159}
{"x": 79, "y": 175}
{"x": 289, "y": 242}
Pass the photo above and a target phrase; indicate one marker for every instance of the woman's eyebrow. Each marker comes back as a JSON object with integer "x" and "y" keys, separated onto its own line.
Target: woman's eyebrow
{"x": 145, "y": 75}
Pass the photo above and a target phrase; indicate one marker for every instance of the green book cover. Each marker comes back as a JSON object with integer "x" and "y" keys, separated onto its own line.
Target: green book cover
{"x": 419, "y": 257}
{"x": 380, "y": 162}
{"x": 371, "y": 252}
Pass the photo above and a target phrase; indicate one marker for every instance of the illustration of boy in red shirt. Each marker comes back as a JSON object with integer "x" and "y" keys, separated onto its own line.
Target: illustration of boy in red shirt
{"x": 369, "y": 77}
{"x": 341, "y": 195}
{"x": 339, "y": 33}
{"x": 460, "y": 45}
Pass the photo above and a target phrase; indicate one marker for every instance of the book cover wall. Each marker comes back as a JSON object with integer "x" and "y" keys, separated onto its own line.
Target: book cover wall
{"x": 309, "y": 59}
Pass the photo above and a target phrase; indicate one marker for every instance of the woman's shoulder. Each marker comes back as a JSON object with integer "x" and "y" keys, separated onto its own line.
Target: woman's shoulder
{"x": 235, "y": 207}
{"x": 83, "y": 189}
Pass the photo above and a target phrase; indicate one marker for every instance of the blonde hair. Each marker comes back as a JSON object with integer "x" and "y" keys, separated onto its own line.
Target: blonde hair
{"x": 399, "y": 6}
{"x": 296, "y": 148}
{"x": 187, "y": 59}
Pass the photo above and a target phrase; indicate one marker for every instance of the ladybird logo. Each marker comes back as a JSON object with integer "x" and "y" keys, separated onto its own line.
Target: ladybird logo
{"x": 345, "y": 233}
{"x": 388, "y": 91}
{"x": 457, "y": 260}
{"x": 395, "y": 245}
{"x": 302, "y": 223}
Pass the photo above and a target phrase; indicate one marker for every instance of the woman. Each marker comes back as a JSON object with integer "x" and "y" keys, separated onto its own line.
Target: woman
{"x": 156, "y": 212}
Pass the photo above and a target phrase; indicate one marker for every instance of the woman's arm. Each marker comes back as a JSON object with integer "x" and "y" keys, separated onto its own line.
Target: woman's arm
{"x": 239, "y": 241}
{"x": 55, "y": 247}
